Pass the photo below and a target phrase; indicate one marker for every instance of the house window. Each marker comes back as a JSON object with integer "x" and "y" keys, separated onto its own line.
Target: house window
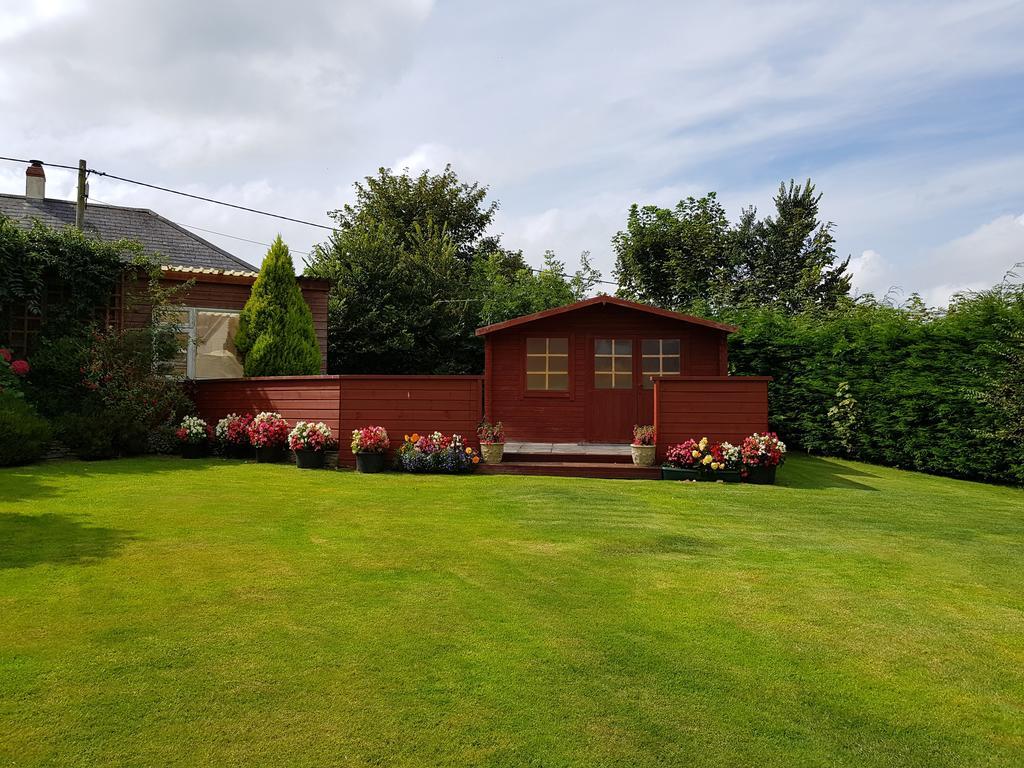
{"x": 613, "y": 364}
{"x": 207, "y": 339}
{"x": 660, "y": 357}
{"x": 547, "y": 365}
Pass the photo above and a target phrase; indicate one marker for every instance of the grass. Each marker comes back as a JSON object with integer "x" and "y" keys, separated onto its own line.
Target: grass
{"x": 162, "y": 612}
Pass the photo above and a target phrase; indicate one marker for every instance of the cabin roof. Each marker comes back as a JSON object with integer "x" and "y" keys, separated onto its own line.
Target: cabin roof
{"x": 605, "y": 300}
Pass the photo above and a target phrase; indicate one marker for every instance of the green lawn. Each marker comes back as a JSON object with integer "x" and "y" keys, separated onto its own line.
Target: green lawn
{"x": 162, "y": 612}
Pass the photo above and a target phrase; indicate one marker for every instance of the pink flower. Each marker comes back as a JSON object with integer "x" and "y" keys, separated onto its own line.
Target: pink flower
{"x": 20, "y": 368}
{"x": 6, "y": 354}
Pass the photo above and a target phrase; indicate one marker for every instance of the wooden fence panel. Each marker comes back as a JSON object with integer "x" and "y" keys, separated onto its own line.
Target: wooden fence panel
{"x": 400, "y": 404}
{"x": 296, "y": 398}
{"x": 717, "y": 407}
{"x": 407, "y": 404}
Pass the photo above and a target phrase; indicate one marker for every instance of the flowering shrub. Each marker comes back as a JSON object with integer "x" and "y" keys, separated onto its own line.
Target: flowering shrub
{"x": 697, "y": 454}
{"x": 763, "y": 450}
{"x": 193, "y": 430}
{"x": 491, "y": 433}
{"x": 643, "y": 435}
{"x": 11, "y": 372}
{"x": 436, "y": 453}
{"x": 370, "y": 440}
{"x": 268, "y": 430}
{"x": 234, "y": 429}
{"x": 732, "y": 455}
{"x": 307, "y": 436}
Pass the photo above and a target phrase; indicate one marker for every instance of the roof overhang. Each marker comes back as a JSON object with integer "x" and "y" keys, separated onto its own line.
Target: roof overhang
{"x": 606, "y": 301}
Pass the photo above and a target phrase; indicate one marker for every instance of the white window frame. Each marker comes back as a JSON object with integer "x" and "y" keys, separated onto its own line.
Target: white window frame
{"x": 193, "y": 333}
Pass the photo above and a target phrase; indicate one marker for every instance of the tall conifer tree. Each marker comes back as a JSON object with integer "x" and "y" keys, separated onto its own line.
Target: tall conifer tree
{"x": 275, "y": 332}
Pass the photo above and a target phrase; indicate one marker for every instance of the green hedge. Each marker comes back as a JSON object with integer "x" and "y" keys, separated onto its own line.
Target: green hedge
{"x": 902, "y": 386}
{"x": 24, "y": 436}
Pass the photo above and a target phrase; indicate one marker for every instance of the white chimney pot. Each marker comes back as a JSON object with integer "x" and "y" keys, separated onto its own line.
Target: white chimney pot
{"x": 35, "y": 181}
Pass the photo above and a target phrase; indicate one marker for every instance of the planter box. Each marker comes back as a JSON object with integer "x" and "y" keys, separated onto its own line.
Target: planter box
{"x": 241, "y": 451}
{"x": 305, "y": 459}
{"x": 678, "y": 473}
{"x": 193, "y": 450}
{"x": 270, "y": 454}
{"x": 370, "y": 463}
{"x": 331, "y": 459}
{"x": 727, "y": 476}
{"x": 761, "y": 475}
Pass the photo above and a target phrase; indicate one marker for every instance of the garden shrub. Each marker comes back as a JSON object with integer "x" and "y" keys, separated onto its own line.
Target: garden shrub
{"x": 24, "y": 435}
{"x": 903, "y": 386}
{"x": 90, "y": 436}
{"x": 275, "y": 330}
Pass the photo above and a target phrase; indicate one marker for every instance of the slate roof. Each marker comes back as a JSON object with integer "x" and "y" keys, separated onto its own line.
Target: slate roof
{"x": 172, "y": 244}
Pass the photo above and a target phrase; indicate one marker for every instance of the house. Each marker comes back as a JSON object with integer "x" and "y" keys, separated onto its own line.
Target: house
{"x": 585, "y": 372}
{"x": 209, "y": 310}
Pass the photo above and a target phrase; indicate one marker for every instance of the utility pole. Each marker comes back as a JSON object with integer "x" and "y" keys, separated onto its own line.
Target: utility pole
{"x": 83, "y": 194}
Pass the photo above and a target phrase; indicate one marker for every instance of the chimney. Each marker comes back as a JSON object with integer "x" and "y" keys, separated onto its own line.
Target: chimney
{"x": 35, "y": 181}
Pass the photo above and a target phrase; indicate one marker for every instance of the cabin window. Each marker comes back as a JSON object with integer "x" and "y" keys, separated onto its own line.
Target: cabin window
{"x": 207, "y": 339}
{"x": 659, "y": 357}
{"x": 547, "y": 365}
{"x": 613, "y": 364}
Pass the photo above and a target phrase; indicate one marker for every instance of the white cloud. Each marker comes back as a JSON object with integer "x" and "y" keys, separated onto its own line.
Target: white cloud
{"x": 569, "y": 112}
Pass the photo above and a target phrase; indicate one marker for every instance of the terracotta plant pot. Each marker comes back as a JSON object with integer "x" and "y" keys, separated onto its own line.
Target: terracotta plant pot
{"x": 370, "y": 463}
{"x": 193, "y": 450}
{"x": 270, "y": 454}
{"x": 492, "y": 453}
{"x": 643, "y": 455}
{"x": 761, "y": 475}
{"x": 309, "y": 459}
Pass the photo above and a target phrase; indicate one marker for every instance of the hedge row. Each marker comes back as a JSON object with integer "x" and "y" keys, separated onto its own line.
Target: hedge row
{"x": 903, "y": 386}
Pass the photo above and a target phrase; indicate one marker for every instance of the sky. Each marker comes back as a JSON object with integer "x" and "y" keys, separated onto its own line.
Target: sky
{"x": 908, "y": 116}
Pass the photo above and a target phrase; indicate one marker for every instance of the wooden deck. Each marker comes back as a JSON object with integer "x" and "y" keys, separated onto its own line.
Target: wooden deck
{"x": 609, "y": 461}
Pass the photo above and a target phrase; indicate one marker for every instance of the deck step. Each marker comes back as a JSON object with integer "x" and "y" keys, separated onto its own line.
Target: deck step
{"x": 583, "y": 458}
{"x": 614, "y": 470}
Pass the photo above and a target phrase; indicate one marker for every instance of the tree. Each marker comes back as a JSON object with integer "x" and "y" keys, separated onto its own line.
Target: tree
{"x": 400, "y": 203}
{"x": 692, "y": 259}
{"x": 505, "y": 294}
{"x": 678, "y": 259}
{"x": 275, "y": 330}
{"x": 789, "y": 260}
{"x": 414, "y": 273}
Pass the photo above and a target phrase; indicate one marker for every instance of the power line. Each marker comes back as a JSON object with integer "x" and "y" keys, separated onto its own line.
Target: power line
{"x": 219, "y": 202}
{"x": 176, "y": 192}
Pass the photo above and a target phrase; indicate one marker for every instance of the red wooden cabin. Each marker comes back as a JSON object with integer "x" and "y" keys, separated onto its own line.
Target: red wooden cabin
{"x": 585, "y": 372}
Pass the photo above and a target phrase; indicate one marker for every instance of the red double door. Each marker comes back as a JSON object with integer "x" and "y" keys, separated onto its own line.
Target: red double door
{"x": 616, "y": 396}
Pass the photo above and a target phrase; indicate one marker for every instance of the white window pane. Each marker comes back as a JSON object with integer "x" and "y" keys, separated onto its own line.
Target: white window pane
{"x": 216, "y": 357}
{"x": 558, "y": 346}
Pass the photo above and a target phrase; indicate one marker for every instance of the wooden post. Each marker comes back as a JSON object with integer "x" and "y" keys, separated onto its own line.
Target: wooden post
{"x": 83, "y": 194}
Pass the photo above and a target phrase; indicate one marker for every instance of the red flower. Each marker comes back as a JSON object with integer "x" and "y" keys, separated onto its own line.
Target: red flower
{"x": 6, "y": 354}
{"x": 19, "y": 368}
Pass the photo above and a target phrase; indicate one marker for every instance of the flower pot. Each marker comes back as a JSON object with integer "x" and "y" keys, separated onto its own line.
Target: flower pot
{"x": 492, "y": 453}
{"x": 330, "y": 459}
{"x": 679, "y": 473}
{"x": 193, "y": 450}
{"x": 643, "y": 455}
{"x": 370, "y": 463}
{"x": 309, "y": 459}
{"x": 728, "y": 476}
{"x": 270, "y": 454}
{"x": 761, "y": 475}
{"x": 240, "y": 451}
